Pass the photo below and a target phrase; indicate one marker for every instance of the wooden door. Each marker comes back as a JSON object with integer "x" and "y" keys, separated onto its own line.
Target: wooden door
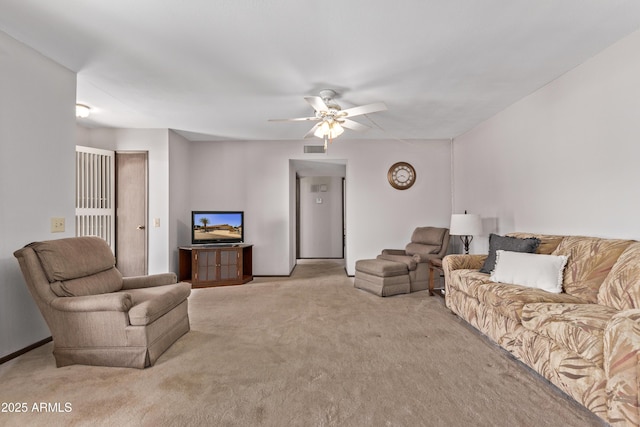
{"x": 131, "y": 213}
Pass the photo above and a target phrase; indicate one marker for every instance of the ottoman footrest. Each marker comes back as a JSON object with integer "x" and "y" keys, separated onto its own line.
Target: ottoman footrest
{"x": 382, "y": 277}
{"x": 382, "y": 267}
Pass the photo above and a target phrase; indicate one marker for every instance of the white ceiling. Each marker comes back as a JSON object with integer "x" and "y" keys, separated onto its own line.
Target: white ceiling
{"x": 218, "y": 69}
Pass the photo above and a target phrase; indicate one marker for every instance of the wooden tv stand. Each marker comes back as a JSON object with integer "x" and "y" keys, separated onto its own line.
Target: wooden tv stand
{"x": 215, "y": 265}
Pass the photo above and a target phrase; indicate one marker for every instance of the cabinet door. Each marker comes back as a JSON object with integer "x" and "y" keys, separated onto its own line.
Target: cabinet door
{"x": 229, "y": 264}
{"x": 205, "y": 265}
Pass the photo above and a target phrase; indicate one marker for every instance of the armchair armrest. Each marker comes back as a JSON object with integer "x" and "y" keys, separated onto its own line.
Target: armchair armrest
{"x": 401, "y": 252}
{"x": 425, "y": 258}
{"x": 622, "y": 366}
{"x": 150, "y": 281}
{"x": 393, "y": 252}
{"x": 116, "y": 301}
{"x": 410, "y": 261}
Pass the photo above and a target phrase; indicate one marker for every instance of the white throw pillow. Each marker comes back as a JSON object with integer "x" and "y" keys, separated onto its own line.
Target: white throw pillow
{"x": 533, "y": 270}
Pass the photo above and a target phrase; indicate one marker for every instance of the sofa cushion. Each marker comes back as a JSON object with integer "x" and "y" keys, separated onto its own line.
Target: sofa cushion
{"x": 507, "y": 243}
{"x": 531, "y": 270}
{"x": 74, "y": 257}
{"x": 576, "y": 327}
{"x": 590, "y": 260}
{"x": 621, "y": 287}
{"x": 103, "y": 282}
{"x": 508, "y": 300}
{"x": 149, "y": 304}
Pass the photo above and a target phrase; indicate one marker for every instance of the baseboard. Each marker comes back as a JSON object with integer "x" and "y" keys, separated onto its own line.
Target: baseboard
{"x": 24, "y": 350}
{"x": 268, "y": 276}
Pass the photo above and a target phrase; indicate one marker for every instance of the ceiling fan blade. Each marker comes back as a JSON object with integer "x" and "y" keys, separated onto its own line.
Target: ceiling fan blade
{"x": 298, "y": 119}
{"x": 313, "y": 129}
{"x": 350, "y": 124}
{"x": 365, "y": 109}
{"x": 317, "y": 103}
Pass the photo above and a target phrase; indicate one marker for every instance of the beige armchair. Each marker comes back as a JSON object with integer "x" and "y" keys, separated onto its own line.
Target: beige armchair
{"x": 427, "y": 243}
{"x": 96, "y": 316}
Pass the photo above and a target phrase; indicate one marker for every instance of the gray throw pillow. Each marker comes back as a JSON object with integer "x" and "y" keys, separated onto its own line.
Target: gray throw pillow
{"x": 506, "y": 243}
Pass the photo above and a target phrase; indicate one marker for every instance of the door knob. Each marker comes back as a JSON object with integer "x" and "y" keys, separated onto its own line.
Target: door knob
{"x": 140, "y": 227}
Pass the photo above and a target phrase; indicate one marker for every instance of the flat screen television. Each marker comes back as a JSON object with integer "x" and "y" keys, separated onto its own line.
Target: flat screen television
{"x": 213, "y": 227}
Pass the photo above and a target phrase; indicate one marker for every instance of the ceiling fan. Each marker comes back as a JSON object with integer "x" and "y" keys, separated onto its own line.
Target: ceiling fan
{"x": 331, "y": 117}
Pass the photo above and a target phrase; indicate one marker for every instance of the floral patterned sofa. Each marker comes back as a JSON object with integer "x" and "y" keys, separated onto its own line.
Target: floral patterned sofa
{"x": 585, "y": 340}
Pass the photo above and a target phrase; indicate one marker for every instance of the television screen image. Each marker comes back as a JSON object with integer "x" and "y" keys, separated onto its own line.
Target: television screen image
{"x": 217, "y": 227}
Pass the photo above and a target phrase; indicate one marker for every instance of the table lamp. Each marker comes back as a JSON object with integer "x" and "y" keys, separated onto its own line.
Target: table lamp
{"x": 466, "y": 226}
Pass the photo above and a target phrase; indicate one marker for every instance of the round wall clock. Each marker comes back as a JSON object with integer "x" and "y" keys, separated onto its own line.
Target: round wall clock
{"x": 401, "y": 175}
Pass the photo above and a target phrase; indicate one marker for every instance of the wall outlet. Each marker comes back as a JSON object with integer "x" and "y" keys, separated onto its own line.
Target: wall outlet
{"x": 57, "y": 225}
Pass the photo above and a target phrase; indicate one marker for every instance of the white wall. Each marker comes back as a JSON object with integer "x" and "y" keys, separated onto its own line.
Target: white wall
{"x": 179, "y": 204}
{"x": 379, "y": 216}
{"x": 103, "y": 138}
{"x": 564, "y": 160}
{"x": 255, "y": 176}
{"x": 251, "y": 176}
{"x": 321, "y": 217}
{"x": 37, "y": 176}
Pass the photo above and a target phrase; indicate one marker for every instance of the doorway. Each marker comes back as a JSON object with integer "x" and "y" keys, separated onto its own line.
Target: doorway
{"x": 131, "y": 213}
{"x": 320, "y": 209}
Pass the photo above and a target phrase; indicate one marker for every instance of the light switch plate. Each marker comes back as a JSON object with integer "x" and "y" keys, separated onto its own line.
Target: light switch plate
{"x": 156, "y": 222}
{"x": 57, "y": 225}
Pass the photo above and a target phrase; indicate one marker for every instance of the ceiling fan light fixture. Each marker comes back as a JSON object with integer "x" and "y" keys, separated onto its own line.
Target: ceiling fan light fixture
{"x": 82, "y": 111}
{"x": 329, "y": 129}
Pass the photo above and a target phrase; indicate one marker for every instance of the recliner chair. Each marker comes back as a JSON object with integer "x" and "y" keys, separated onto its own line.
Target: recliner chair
{"x": 400, "y": 271}
{"x": 427, "y": 243}
{"x": 96, "y": 316}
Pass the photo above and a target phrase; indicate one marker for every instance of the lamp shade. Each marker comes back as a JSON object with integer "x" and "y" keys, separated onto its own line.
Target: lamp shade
{"x": 465, "y": 225}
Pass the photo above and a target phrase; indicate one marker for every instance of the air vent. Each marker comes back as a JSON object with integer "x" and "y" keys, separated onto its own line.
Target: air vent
{"x": 318, "y": 188}
{"x": 314, "y": 149}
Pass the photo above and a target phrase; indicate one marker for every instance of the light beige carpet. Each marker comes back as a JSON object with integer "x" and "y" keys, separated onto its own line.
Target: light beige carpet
{"x": 309, "y": 350}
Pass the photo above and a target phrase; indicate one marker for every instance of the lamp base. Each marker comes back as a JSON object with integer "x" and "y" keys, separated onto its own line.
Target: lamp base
{"x": 466, "y": 241}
